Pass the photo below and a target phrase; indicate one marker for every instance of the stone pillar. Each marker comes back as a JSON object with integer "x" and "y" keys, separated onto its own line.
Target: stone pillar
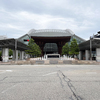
{"x": 80, "y": 55}
{"x": 16, "y": 55}
{"x": 22, "y": 55}
{"x": 5, "y": 54}
{"x": 25, "y": 55}
{"x": 98, "y": 54}
{"x": 86, "y": 54}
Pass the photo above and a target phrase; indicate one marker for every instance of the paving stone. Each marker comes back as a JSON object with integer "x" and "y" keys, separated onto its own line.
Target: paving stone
{"x": 67, "y": 62}
{"x": 53, "y": 61}
{"x": 39, "y": 62}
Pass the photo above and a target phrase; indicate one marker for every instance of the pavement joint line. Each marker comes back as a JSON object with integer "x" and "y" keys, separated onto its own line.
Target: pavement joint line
{"x": 49, "y": 74}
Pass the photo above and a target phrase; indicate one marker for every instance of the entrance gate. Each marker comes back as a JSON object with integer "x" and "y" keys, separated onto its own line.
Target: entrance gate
{"x": 50, "y": 48}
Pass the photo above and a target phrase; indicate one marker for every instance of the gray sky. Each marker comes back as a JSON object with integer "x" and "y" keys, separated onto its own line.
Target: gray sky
{"x": 17, "y": 17}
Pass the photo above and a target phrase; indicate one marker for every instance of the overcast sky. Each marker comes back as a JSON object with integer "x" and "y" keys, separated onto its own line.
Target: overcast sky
{"x": 17, "y": 17}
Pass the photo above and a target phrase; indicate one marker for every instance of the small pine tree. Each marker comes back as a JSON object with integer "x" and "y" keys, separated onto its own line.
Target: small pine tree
{"x": 65, "y": 49}
{"x": 74, "y": 48}
{"x": 34, "y": 49}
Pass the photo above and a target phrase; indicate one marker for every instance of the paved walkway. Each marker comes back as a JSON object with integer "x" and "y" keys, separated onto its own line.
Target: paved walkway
{"x": 49, "y": 82}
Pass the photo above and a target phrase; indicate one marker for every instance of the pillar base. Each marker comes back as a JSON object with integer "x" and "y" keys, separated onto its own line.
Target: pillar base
{"x": 98, "y": 54}
{"x": 5, "y": 54}
{"x": 98, "y": 58}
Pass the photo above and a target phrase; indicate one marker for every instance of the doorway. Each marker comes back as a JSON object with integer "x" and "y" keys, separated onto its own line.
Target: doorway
{"x": 50, "y": 48}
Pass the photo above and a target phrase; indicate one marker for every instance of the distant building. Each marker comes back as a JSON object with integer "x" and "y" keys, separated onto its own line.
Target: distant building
{"x": 3, "y": 37}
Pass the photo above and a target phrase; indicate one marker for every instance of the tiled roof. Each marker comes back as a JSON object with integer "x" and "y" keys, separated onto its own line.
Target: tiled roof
{"x": 50, "y": 33}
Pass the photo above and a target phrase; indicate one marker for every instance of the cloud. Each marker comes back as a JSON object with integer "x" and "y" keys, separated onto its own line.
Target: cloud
{"x": 18, "y": 17}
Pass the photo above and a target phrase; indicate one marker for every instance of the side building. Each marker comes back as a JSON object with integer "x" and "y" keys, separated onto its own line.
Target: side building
{"x": 90, "y": 49}
{"x": 2, "y": 37}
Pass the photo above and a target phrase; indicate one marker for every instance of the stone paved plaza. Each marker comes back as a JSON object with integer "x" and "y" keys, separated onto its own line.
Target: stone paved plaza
{"x": 50, "y": 82}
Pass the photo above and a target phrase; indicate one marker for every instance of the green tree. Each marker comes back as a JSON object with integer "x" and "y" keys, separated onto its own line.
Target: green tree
{"x": 65, "y": 49}
{"x": 34, "y": 49}
{"x": 74, "y": 48}
{"x": 10, "y": 52}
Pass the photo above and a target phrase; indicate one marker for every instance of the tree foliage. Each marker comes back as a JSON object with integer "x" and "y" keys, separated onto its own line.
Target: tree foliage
{"x": 65, "y": 49}
{"x": 10, "y": 52}
{"x": 74, "y": 48}
{"x": 34, "y": 49}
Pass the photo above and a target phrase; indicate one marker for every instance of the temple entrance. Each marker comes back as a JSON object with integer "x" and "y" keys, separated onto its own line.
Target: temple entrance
{"x": 51, "y": 45}
{"x": 50, "y": 48}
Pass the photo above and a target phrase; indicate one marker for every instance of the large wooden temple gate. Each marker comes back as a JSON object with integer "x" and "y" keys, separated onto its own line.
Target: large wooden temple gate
{"x": 60, "y": 41}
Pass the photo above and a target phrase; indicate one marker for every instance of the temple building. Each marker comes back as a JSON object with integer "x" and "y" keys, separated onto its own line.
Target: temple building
{"x": 51, "y": 41}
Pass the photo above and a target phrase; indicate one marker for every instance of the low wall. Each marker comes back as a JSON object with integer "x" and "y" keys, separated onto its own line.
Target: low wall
{"x": 51, "y": 62}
